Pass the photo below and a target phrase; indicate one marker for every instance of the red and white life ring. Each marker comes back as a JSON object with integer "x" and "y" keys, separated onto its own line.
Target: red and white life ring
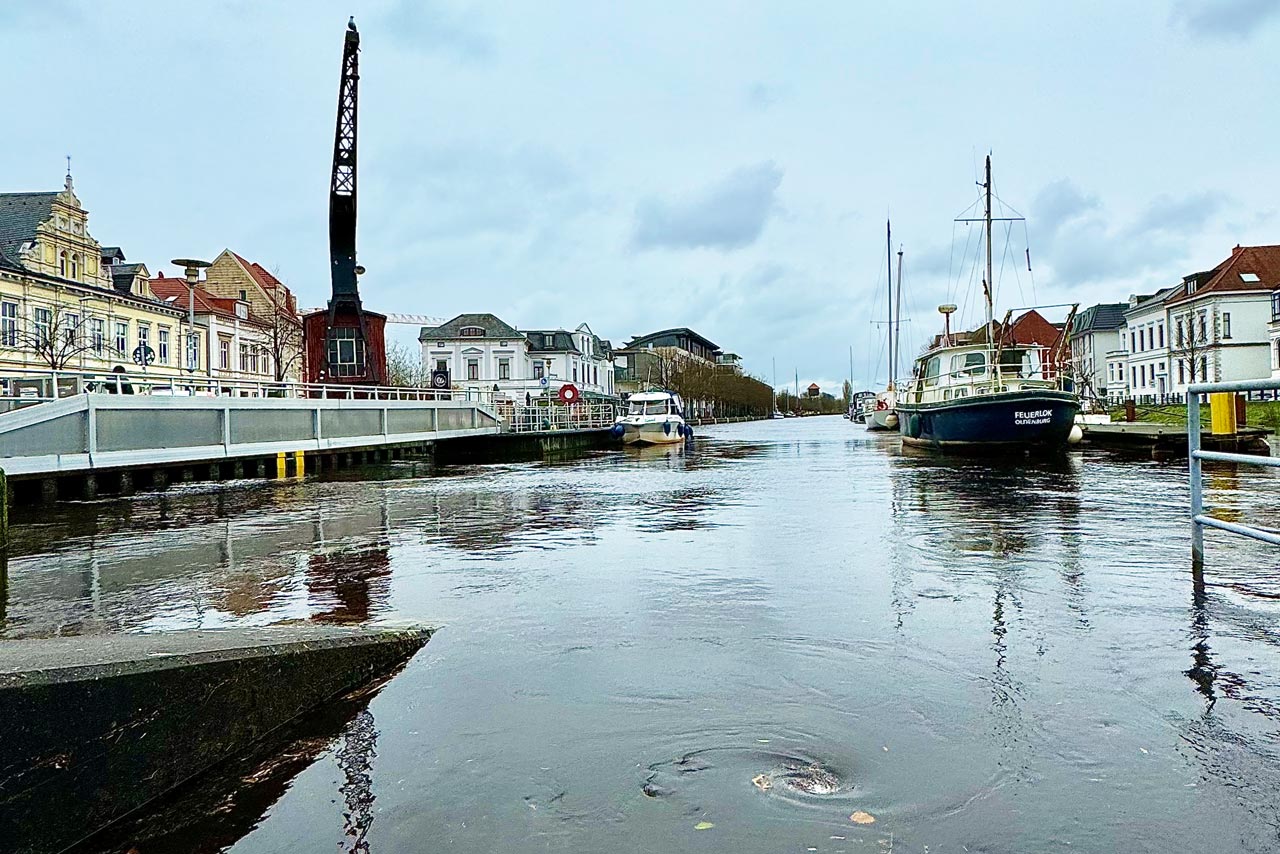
{"x": 881, "y": 406}
{"x": 569, "y": 393}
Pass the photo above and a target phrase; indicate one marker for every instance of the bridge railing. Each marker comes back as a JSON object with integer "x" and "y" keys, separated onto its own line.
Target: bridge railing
{"x": 26, "y": 387}
{"x": 573, "y": 416}
{"x": 1199, "y": 518}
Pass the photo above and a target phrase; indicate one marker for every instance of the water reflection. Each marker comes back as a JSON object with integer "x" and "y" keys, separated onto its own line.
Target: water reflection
{"x": 223, "y": 806}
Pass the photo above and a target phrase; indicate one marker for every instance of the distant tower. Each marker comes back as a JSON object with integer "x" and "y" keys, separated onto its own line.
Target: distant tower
{"x": 345, "y": 343}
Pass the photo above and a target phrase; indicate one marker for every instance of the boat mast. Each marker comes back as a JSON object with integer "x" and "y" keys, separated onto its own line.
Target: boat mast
{"x": 897, "y": 312}
{"x": 888, "y": 254}
{"x": 988, "y": 284}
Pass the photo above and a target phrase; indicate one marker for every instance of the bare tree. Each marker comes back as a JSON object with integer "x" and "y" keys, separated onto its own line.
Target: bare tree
{"x": 59, "y": 335}
{"x": 405, "y": 367}
{"x": 284, "y": 331}
{"x": 1191, "y": 345}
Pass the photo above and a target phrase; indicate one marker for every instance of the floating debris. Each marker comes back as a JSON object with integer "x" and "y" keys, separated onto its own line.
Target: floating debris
{"x": 703, "y": 825}
{"x": 762, "y": 782}
{"x": 813, "y": 780}
{"x": 860, "y": 817}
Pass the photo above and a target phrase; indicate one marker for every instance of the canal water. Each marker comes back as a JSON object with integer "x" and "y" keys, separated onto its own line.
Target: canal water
{"x": 981, "y": 657}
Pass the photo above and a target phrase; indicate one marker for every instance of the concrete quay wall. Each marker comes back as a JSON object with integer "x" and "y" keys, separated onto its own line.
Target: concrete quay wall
{"x": 98, "y": 727}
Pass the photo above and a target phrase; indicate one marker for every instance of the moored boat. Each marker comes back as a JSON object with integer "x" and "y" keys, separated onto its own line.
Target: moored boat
{"x": 653, "y": 418}
{"x": 881, "y": 412}
{"x": 986, "y": 390}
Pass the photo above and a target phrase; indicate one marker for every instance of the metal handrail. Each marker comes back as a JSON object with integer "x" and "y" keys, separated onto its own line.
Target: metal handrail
{"x": 204, "y": 386}
{"x": 1199, "y": 519}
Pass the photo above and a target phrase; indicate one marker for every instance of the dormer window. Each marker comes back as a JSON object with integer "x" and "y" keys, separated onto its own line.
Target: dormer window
{"x": 471, "y": 332}
{"x": 242, "y": 311}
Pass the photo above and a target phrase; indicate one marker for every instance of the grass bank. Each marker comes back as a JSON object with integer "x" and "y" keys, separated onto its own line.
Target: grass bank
{"x": 1257, "y": 414}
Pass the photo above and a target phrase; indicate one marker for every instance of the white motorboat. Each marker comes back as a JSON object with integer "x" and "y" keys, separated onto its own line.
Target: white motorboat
{"x": 653, "y": 418}
{"x": 881, "y": 412}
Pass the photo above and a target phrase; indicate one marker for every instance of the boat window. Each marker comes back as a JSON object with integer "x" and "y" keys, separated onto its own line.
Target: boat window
{"x": 946, "y": 394}
{"x": 647, "y": 407}
{"x": 962, "y": 392}
{"x": 931, "y": 370}
{"x": 969, "y": 364}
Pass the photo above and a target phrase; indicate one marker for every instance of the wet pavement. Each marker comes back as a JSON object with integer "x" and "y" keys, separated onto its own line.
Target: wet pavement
{"x": 789, "y": 637}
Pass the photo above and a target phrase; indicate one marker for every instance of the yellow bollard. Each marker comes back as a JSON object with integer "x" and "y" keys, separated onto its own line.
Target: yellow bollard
{"x": 282, "y": 466}
{"x": 1222, "y": 413}
{"x": 300, "y": 466}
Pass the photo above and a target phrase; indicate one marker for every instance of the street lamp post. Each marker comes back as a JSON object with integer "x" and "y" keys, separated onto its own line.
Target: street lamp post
{"x": 193, "y": 267}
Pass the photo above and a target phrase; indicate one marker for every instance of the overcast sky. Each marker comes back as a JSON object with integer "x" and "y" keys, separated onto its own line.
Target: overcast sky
{"x": 723, "y": 166}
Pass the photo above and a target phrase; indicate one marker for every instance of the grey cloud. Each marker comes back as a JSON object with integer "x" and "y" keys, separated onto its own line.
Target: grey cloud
{"x": 1073, "y": 235}
{"x": 1224, "y": 19}
{"x": 729, "y": 214}
{"x": 762, "y": 96}
{"x": 428, "y": 25}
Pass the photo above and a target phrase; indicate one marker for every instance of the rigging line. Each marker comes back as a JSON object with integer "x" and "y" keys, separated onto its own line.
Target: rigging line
{"x": 1026, "y": 237}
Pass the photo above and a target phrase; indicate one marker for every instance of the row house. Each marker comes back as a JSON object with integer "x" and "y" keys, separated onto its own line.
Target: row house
{"x": 481, "y": 352}
{"x": 651, "y": 360}
{"x": 1273, "y": 334}
{"x": 1212, "y": 326}
{"x": 1097, "y": 348}
{"x": 67, "y": 303}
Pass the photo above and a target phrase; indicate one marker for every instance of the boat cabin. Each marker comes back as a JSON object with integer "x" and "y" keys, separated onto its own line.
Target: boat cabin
{"x": 953, "y": 373}
{"x": 655, "y": 403}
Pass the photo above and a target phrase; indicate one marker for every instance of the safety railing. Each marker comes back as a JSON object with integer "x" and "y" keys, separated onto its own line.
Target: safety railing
{"x": 1199, "y": 518}
{"x": 573, "y": 416}
{"x": 23, "y": 388}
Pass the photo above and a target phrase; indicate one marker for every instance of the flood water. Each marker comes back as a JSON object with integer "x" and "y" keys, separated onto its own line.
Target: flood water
{"x": 983, "y": 656}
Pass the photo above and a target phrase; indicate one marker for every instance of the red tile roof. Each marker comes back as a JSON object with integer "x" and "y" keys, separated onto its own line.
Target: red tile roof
{"x": 205, "y": 302}
{"x": 1262, "y": 261}
{"x": 268, "y": 282}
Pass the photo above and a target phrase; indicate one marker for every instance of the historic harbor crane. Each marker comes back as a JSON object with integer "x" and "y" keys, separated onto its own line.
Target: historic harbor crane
{"x": 345, "y": 342}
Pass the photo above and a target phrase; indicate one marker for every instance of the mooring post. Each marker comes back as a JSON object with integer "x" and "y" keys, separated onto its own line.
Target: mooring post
{"x": 1193, "y": 461}
{"x": 4, "y": 515}
{"x": 299, "y": 464}
{"x": 282, "y": 465}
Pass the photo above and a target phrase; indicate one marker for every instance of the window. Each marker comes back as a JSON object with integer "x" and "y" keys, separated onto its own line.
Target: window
{"x": 1161, "y": 328}
{"x": 537, "y": 370}
{"x": 1204, "y": 334}
{"x": 97, "y": 334}
{"x": 595, "y": 375}
{"x": 193, "y": 351}
{"x": 75, "y": 267}
{"x": 1142, "y": 374}
{"x": 931, "y": 370}
{"x": 1249, "y": 277}
{"x": 1178, "y": 339}
{"x": 244, "y": 358}
{"x": 242, "y": 310}
{"x": 62, "y": 263}
{"x": 244, "y": 296}
{"x": 144, "y": 334}
{"x": 969, "y": 364}
{"x": 254, "y": 362}
{"x": 1133, "y": 377}
{"x": 546, "y": 340}
{"x": 1133, "y": 342}
{"x": 9, "y": 324}
{"x": 224, "y": 353}
{"x": 575, "y": 372}
{"x": 1204, "y": 369}
{"x": 473, "y": 369}
{"x": 471, "y": 332}
{"x": 122, "y": 337}
{"x": 504, "y": 369}
{"x": 164, "y": 346}
{"x": 1182, "y": 371}
{"x": 442, "y": 364}
{"x": 1226, "y": 324}
{"x": 43, "y": 319}
{"x": 346, "y": 353}
{"x": 71, "y": 329}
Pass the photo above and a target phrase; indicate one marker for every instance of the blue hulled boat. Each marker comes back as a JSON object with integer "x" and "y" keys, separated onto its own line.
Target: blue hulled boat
{"x": 984, "y": 390}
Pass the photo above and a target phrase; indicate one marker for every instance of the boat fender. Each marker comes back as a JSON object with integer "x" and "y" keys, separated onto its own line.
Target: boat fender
{"x": 891, "y": 420}
{"x": 1076, "y": 434}
{"x": 666, "y": 427}
{"x": 618, "y": 429}
{"x": 688, "y": 433}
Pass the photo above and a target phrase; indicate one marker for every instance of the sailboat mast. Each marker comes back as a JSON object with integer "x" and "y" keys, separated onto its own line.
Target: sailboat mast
{"x": 888, "y": 254}
{"x": 990, "y": 285}
{"x": 897, "y": 312}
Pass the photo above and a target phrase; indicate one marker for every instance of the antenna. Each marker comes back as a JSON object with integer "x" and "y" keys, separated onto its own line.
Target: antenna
{"x": 947, "y": 310}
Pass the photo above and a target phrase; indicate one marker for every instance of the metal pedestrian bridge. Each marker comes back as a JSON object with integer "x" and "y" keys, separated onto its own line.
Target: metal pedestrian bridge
{"x": 94, "y": 431}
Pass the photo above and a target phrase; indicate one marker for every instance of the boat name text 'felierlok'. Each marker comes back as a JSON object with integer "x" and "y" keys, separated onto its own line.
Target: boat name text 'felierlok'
{"x": 1037, "y": 416}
